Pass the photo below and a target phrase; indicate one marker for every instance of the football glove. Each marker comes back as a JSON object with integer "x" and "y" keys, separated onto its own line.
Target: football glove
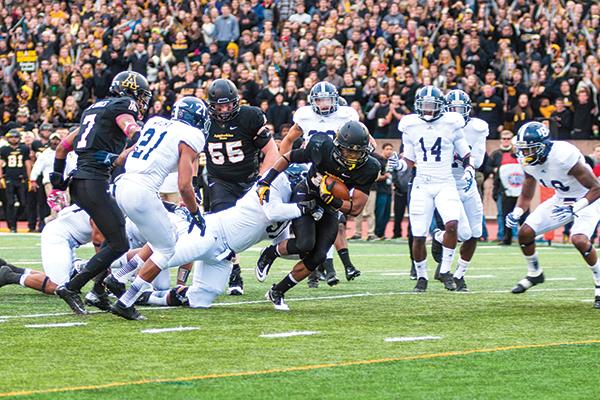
{"x": 563, "y": 212}
{"x": 58, "y": 182}
{"x": 468, "y": 177}
{"x": 263, "y": 189}
{"x": 3, "y": 183}
{"x": 512, "y": 219}
{"x": 325, "y": 190}
{"x": 310, "y": 207}
{"x": 105, "y": 158}
{"x": 393, "y": 163}
{"x": 196, "y": 220}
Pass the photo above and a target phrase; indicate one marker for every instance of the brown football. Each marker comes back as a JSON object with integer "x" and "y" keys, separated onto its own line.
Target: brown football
{"x": 339, "y": 189}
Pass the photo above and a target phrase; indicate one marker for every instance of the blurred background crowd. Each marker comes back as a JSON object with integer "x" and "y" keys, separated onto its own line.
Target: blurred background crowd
{"x": 518, "y": 60}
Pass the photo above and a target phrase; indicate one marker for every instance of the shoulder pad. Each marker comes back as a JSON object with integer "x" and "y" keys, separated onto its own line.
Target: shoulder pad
{"x": 480, "y": 126}
{"x": 346, "y": 112}
{"x": 303, "y": 113}
{"x": 409, "y": 120}
{"x": 454, "y": 119}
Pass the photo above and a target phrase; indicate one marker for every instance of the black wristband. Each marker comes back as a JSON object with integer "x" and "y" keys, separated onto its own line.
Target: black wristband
{"x": 270, "y": 176}
{"x": 133, "y": 139}
{"x": 336, "y": 203}
{"x": 59, "y": 165}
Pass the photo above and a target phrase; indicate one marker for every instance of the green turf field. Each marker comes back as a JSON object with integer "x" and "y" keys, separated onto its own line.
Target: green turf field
{"x": 484, "y": 344}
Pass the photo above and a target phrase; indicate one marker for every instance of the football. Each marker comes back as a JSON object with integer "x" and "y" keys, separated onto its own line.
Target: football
{"x": 339, "y": 189}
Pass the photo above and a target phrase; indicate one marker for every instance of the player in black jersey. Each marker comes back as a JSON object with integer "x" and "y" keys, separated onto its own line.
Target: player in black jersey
{"x": 14, "y": 175}
{"x": 236, "y": 137}
{"x": 106, "y": 127}
{"x": 346, "y": 158}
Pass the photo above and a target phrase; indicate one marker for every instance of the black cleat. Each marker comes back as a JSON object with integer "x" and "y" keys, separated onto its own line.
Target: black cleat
{"x": 421, "y": 285}
{"x": 461, "y": 286}
{"x": 265, "y": 262}
{"x": 114, "y": 286}
{"x": 528, "y": 282}
{"x": 597, "y": 302}
{"x": 236, "y": 284}
{"x": 313, "y": 279}
{"x": 98, "y": 300}
{"x": 351, "y": 272}
{"x": 143, "y": 299}
{"x": 448, "y": 281}
{"x": 436, "y": 248}
{"x": 332, "y": 279}
{"x": 72, "y": 298}
{"x": 277, "y": 298}
{"x": 413, "y": 272}
{"x": 129, "y": 313}
{"x": 437, "y": 275}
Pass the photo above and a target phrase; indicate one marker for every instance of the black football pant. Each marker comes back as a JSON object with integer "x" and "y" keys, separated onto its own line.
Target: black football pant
{"x": 312, "y": 238}
{"x": 93, "y": 197}
{"x": 15, "y": 188}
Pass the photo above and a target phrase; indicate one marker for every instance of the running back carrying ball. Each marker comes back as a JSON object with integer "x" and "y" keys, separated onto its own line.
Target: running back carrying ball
{"x": 337, "y": 188}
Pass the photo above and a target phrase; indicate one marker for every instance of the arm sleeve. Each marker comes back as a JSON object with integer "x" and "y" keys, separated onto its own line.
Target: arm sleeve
{"x": 409, "y": 149}
{"x": 257, "y": 122}
{"x": 478, "y": 153}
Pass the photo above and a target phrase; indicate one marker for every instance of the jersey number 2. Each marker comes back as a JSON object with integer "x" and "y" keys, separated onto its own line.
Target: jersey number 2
{"x": 436, "y": 149}
{"x": 140, "y": 148}
{"x": 233, "y": 152}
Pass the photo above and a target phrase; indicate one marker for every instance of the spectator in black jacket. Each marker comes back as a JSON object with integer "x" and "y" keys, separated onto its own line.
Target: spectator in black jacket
{"x": 489, "y": 107}
{"x": 561, "y": 121}
{"x": 279, "y": 113}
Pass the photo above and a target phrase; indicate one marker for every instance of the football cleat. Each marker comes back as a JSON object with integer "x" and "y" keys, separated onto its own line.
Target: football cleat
{"x": 448, "y": 281}
{"x": 421, "y": 285}
{"x": 114, "y": 286}
{"x": 236, "y": 284}
{"x": 97, "y": 300}
{"x": 7, "y": 276}
{"x": 129, "y": 313}
{"x": 72, "y": 299}
{"x": 351, "y": 272}
{"x": 277, "y": 298}
{"x": 313, "y": 279}
{"x": 413, "y": 272}
{"x": 436, "y": 247}
{"x": 527, "y": 282}
{"x": 461, "y": 286}
{"x": 264, "y": 263}
{"x": 597, "y": 302}
{"x": 332, "y": 279}
{"x": 143, "y": 299}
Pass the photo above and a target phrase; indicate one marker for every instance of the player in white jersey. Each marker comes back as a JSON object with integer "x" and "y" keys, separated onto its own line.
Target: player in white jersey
{"x": 561, "y": 166}
{"x": 471, "y": 216}
{"x": 431, "y": 137}
{"x": 324, "y": 116}
{"x": 230, "y": 232}
{"x": 165, "y": 146}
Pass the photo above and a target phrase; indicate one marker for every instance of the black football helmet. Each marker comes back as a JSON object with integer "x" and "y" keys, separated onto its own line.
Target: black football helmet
{"x": 352, "y": 145}
{"x": 134, "y": 85}
{"x": 223, "y": 91}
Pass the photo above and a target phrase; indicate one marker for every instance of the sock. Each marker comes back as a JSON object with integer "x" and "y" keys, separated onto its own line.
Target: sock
{"x": 447, "y": 258}
{"x": 236, "y": 270}
{"x": 276, "y": 249}
{"x": 158, "y": 298}
{"x": 345, "y": 257}
{"x": 99, "y": 289}
{"x": 533, "y": 266}
{"x": 135, "y": 290}
{"x": 128, "y": 268}
{"x": 421, "y": 267}
{"x": 18, "y": 278}
{"x": 439, "y": 236}
{"x": 120, "y": 262}
{"x": 461, "y": 268}
{"x": 328, "y": 265}
{"x": 286, "y": 284}
{"x": 596, "y": 274}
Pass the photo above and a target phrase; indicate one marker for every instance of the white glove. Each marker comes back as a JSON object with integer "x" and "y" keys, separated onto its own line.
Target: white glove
{"x": 468, "y": 177}
{"x": 393, "y": 163}
{"x": 512, "y": 219}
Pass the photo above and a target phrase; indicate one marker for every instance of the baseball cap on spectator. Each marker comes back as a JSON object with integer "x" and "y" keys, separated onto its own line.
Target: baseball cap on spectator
{"x": 54, "y": 135}
{"x": 13, "y": 133}
{"x": 23, "y": 112}
{"x": 46, "y": 127}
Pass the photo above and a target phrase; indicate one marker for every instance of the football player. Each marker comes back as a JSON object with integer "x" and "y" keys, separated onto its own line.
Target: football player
{"x": 347, "y": 159}
{"x": 236, "y": 136}
{"x": 324, "y": 116}
{"x": 106, "y": 127}
{"x": 165, "y": 146}
{"x": 431, "y": 138}
{"x": 561, "y": 166}
{"x": 230, "y": 232}
{"x": 476, "y": 132}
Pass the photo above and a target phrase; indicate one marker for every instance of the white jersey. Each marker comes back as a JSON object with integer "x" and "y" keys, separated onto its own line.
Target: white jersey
{"x": 312, "y": 123}
{"x": 554, "y": 172}
{"x": 44, "y": 165}
{"x": 156, "y": 152}
{"x": 476, "y": 131}
{"x": 72, "y": 223}
{"x": 249, "y": 222}
{"x": 431, "y": 145}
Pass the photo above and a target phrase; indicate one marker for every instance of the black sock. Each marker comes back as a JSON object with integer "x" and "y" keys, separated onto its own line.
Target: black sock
{"x": 100, "y": 262}
{"x": 328, "y": 265}
{"x": 345, "y": 257}
{"x": 99, "y": 289}
{"x": 285, "y": 284}
{"x": 12, "y": 278}
{"x": 236, "y": 270}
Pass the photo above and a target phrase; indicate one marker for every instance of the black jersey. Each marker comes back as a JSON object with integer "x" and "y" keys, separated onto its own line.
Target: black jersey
{"x": 319, "y": 152}
{"x": 233, "y": 147}
{"x": 99, "y": 131}
{"x": 14, "y": 161}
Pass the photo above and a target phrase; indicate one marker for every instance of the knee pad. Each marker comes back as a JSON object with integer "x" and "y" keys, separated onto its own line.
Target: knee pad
{"x": 523, "y": 245}
{"x": 305, "y": 245}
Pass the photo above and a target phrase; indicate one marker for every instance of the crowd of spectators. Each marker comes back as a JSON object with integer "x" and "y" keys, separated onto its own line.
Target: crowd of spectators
{"x": 518, "y": 60}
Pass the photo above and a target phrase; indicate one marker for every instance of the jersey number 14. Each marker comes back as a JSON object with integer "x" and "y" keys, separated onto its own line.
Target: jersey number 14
{"x": 436, "y": 149}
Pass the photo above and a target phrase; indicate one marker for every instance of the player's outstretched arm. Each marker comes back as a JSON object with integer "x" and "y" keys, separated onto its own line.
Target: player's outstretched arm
{"x": 287, "y": 143}
{"x": 271, "y": 156}
{"x": 130, "y": 128}
{"x": 355, "y": 205}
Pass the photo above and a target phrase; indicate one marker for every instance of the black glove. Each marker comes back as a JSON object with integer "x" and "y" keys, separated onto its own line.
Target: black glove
{"x": 58, "y": 182}
{"x": 105, "y": 158}
{"x": 310, "y": 207}
{"x": 197, "y": 220}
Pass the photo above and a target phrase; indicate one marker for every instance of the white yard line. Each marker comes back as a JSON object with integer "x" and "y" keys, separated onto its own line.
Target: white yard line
{"x": 287, "y": 334}
{"x": 58, "y": 325}
{"x": 164, "y": 330}
{"x": 479, "y": 276}
{"x": 567, "y": 278}
{"x": 411, "y": 339}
